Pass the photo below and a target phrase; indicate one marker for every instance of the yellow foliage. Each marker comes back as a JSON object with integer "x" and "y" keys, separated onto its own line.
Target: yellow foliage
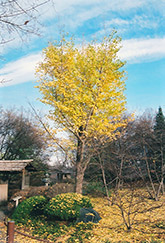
{"x": 111, "y": 228}
{"x": 84, "y": 86}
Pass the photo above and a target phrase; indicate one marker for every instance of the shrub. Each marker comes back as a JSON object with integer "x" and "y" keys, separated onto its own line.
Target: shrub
{"x": 30, "y": 207}
{"x": 67, "y": 206}
{"x": 95, "y": 188}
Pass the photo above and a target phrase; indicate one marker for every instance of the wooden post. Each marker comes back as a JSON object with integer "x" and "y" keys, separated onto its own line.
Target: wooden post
{"x": 23, "y": 179}
{"x": 10, "y": 232}
{"x": 3, "y": 191}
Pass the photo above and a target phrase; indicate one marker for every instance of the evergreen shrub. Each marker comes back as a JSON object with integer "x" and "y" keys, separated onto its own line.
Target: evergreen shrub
{"x": 95, "y": 188}
{"x": 67, "y": 206}
{"x": 29, "y": 208}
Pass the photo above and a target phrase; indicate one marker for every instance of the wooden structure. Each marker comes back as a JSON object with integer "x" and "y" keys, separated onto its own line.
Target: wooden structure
{"x": 62, "y": 174}
{"x": 10, "y": 166}
{"x": 3, "y": 191}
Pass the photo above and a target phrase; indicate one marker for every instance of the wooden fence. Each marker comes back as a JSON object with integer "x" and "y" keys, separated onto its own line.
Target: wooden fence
{"x": 10, "y": 234}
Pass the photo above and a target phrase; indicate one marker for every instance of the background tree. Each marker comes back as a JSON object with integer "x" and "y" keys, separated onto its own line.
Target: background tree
{"x": 135, "y": 155}
{"x": 84, "y": 88}
{"x": 159, "y": 160}
{"x": 21, "y": 138}
{"x": 159, "y": 122}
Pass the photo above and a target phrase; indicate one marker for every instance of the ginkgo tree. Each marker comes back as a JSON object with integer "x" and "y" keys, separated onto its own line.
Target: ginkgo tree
{"x": 84, "y": 87}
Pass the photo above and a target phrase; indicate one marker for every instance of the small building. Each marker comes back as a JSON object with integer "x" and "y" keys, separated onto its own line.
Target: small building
{"x": 61, "y": 174}
{"x": 11, "y": 166}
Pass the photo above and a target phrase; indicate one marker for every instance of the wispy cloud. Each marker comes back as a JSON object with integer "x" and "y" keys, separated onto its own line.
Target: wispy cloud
{"x": 78, "y": 12}
{"x": 140, "y": 21}
{"x": 133, "y": 51}
{"x": 140, "y": 50}
{"x": 73, "y": 14}
{"x": 62, "y": 5}
{"x": 19, "y": 71}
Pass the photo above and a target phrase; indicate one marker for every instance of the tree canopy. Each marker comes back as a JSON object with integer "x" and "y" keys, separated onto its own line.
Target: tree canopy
{"x": 20, "y": 137}
{"x": 84, "y": 86}
{"x": 159, "y": 127}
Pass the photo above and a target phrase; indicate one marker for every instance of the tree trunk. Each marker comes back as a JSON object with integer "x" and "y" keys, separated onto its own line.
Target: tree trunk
{"x": 79, "y": 178}
{"x": 149, "y": 174}
{"x": 80, "y": 169}
{"x": 105, "y": 183}
{"x": 162, "y": 167}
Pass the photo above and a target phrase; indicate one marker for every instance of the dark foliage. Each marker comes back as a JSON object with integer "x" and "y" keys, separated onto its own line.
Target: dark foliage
{"x": 21, "y": 138}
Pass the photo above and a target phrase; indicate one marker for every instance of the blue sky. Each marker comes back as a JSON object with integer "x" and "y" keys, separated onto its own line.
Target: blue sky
{"x": 140, "y": 23}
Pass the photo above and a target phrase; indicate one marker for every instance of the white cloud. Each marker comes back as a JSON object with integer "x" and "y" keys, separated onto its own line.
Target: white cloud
{"x": 116, "y": 21}
{"x": 140, "y": 50}
{"x": 79, "y": 11}
{"x": 113, "y": 5}
{"x": 72, "y": 13}
{"x": 133, "y": 51}
{"x": 19, "y": 71}
{"x": 145, "y": 21}
{"x": 138, "y": 21}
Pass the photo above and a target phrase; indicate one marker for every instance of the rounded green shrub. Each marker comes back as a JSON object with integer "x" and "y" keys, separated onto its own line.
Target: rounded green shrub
{"x": 29, "y": 208}
{"x": 67, "y": 206}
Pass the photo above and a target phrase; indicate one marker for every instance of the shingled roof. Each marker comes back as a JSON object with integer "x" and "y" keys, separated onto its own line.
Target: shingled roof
{"x": 14, "y": 165}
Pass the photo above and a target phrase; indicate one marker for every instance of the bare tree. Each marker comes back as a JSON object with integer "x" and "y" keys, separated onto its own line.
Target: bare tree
{"x": 19, "y": 18}
{"x": 20, "y": 136}
{"x": 144, "y": 156}
{"x": 138, "y": 155}
{"x": 132, "y": 202}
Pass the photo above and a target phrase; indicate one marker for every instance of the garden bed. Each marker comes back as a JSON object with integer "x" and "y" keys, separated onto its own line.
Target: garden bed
{"x": 148, "y": 227}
